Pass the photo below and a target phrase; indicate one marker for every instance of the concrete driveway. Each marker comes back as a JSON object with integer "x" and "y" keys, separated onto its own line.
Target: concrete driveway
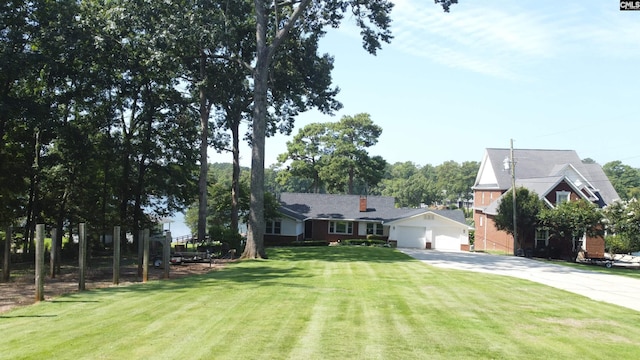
{"x": 613, "y": 289}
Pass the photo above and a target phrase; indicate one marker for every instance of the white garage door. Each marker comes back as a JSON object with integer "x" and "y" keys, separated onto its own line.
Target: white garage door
{"x": 411, "y": 237}
{"x": 446, "y": 239}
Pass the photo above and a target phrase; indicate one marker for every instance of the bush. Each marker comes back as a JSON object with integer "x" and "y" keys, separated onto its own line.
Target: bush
{"x": 309, "y": 243}
{"x": 619, "y": 244}
{"x": 365, "y": 242}
{"x": 229, "y": 238}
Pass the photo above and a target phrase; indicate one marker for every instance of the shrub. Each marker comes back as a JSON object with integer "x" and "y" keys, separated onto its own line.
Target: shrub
{"x": 309, "y": 243}
{"x": 229, "y": 238}
{"x": 365, "y": 242}
{"x": 618, "y": 244}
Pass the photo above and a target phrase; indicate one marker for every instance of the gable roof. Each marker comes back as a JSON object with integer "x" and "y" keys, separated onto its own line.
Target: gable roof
{"x": 541, "y": 186}
{"x": 347, "y": 207}
{"x": 540, "y": 170}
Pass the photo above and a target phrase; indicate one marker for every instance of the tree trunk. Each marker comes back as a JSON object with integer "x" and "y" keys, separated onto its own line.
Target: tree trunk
{"x": 142, "y": 166}
{"x": 254, "y": 248}
{"x": 6, "y": 265}
{"x": 204, "y": 146}
{"x": 124, "y": 186}
{"x": 60, "y": 230}
{"x": 32, "y": 208}
{"x": 235, "y": 178}
{"x": 255, "y": 237}
{"x": 351, "y": 176}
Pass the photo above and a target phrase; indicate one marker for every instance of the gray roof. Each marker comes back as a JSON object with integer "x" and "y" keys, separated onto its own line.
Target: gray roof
{"x": 535, "y": 168}
{"x": 347, "y": 207}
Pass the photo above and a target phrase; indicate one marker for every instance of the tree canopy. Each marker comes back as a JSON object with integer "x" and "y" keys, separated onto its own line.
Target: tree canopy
{"x": 528, "y": 207}
{"x": 333, "y": 157}
{"x": 622, "y": 220}
{"x": 624, "y": 178}
{"x": 573, "y": 219}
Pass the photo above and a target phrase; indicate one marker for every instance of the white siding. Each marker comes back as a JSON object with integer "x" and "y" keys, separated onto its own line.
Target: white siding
{"x": 417, "y": 231}
{"x": 290, "y": 227}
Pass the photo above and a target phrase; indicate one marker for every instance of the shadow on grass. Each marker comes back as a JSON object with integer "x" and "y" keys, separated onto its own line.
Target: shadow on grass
{"x": 280, "y": 269}
{"x": 26, "y": 316}
{"x": 337, "y": 253}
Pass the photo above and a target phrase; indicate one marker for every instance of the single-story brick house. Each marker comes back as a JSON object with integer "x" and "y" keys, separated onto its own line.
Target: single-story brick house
{"x": 555, "y": 176}
{"x": 328, "y": 217}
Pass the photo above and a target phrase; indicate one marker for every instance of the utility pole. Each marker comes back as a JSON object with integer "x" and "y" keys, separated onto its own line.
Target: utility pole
{"x": 513, "y": 189}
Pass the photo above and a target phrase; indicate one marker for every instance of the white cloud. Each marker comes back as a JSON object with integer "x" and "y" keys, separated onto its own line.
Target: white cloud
{"x": 505, "y": 39}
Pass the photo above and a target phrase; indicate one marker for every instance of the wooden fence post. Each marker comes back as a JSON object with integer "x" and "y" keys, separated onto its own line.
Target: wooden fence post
{"x": 116, "y": 255}
{"x": 145, "y": 256}
{"x": 6, "y": 264}
{"x": 166, "y": 253}
{"x": 39, "y": 262}
{"x": 53, "y": 255}
{"x": 82, "y": 255}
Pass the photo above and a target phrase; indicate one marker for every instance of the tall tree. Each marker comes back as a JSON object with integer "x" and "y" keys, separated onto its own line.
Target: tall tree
{"x": 334, "y": 155}
{"x": 200, "y": 28}
{"x": 300, "y": 79}
{"x": 410, "y": 185}
{"x": 311, "y": 17}
{"x": 18, "y": 62}
{"x": 145, "y": 114}
{"x": 624, "y": 178}
{"x": 455, "y": 180}
{"x": 348, "y": 160}
{"x": 306, "y": 152}
{"x": 528, "y": 206}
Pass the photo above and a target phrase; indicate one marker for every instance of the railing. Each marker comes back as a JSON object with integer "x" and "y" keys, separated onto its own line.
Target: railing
{"x": 185, "y": 239}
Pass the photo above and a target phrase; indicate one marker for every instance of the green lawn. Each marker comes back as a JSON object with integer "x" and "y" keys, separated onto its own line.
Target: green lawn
{"x": 324, "y": 303}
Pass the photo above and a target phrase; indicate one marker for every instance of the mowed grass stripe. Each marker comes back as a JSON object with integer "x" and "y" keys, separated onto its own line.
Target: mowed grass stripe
{"x": 323, "y": 303}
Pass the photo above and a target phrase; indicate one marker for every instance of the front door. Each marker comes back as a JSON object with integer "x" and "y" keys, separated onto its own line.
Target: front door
{"x": 308, "y": 230}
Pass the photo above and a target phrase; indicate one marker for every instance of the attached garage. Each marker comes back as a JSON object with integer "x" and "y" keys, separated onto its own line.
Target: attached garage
{"x": 442, "y": 232}
{"x": 411, "y": 237}
{"x": 446, "y": 239}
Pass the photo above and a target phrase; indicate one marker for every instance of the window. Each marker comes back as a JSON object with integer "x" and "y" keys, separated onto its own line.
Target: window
{"x": 576, "y": 243}
{"x": 542, "y": 238}
{"x": 562, "y": 196}
{"x": 273, "y": 227}
{"x": 374, "y": 229}
{"x": 340, "y": 227}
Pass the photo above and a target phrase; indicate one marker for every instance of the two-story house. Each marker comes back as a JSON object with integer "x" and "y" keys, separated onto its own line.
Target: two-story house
{"x": 554, "y": 175}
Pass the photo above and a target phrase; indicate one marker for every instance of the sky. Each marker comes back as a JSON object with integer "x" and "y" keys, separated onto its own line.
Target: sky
{"x": 548, "y": 74}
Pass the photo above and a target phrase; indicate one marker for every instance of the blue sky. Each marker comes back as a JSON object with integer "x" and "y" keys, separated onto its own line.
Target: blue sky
{"x": 547, "y": 74}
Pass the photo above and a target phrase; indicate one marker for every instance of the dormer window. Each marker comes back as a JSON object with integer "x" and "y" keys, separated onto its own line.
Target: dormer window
{"x": 562, "y": 196}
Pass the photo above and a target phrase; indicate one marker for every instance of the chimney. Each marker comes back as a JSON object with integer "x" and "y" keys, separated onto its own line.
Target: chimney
{"x": 363, "y": 203}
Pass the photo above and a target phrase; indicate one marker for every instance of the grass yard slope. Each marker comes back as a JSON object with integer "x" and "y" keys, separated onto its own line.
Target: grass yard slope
{"x": 323, "y": 303}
